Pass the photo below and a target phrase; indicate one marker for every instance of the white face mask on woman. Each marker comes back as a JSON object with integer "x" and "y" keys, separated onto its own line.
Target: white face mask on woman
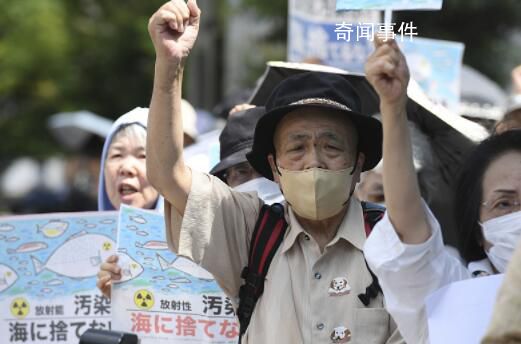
{"x": 267, "y": 190}
{"x": 503, "y": 234}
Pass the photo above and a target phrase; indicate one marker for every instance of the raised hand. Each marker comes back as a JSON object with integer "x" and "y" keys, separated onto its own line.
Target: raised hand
{"x": 174, "y": 29}
{"x": 386, "y": 69}
{"x": 109, "y": 271}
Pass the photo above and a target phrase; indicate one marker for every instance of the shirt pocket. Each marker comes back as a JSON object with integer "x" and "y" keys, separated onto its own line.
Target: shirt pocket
{"x": 371, "y": 326}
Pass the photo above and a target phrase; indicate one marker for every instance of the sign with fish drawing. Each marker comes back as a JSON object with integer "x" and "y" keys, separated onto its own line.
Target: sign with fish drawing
{"x": 161, "y": 297}
{"x": 48, "y": 267}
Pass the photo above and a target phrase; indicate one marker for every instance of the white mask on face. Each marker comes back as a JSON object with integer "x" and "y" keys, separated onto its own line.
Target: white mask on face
{"x": 503, "y": 233}
{"x": 267, "y": 190}
{"x": 316, "y": 193}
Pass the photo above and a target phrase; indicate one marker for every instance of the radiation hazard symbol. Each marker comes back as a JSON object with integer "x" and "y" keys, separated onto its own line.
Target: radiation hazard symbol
{"x": 144, "y": 299}
{"x": 19, "y": 308}
{"x": 107, "y": 246}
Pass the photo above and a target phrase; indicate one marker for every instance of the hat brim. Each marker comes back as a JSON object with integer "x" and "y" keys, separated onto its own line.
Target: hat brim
{"x": 369, "y": 136}
{"x": 231, "y": 160}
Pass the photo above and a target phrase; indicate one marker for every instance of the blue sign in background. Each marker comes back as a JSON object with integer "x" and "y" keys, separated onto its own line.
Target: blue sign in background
{"x": 312, "y": 38}
{"x": 388, "y": 4}
{"x": 38, "y": 249}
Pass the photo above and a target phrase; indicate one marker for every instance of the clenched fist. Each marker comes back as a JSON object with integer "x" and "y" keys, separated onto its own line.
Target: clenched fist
{"x": 386, "y": 69}
{"x": 173, "y": 29}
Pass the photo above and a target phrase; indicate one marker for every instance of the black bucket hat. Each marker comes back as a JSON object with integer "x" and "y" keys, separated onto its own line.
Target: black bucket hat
{"x": 236, "y": 139}
{"x": 318, "y": 90}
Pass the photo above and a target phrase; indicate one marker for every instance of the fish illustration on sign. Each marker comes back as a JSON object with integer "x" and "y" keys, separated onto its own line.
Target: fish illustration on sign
{"x": 89, "y": 250}
{"x": 185, "y": 265}
{"x": 53, "y": 229}
{"x": 5, "y": 227}
{"x": 130, "y": 268}
{"x": 28, "y": 247}
{"x": 153, "y": 245}
{"x": 107, "y": 221}
{"x": 138, "y": 219}
{"x": 7, "y": 277}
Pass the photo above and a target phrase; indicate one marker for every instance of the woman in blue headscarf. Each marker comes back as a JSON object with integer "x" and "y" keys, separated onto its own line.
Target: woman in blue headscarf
{"x": 123, "y": 178}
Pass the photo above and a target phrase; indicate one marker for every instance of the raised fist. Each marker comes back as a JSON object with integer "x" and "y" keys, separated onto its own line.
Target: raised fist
{"x": 386, "y": 69}
{"x": 173, "y": 29}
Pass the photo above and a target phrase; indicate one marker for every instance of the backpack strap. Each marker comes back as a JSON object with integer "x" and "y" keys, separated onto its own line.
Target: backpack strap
{"x": 266, "y": 238}
{"x": 372, "y": 214}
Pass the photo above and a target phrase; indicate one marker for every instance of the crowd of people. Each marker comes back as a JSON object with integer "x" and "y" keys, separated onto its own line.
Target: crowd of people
{"x": 317, "y": 220}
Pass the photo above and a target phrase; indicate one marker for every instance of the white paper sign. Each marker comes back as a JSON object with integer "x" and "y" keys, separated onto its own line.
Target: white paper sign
{"x": 461, "y": 312}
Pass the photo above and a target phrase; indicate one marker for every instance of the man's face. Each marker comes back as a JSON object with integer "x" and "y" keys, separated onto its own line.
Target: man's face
{"x": 309, "y": 137}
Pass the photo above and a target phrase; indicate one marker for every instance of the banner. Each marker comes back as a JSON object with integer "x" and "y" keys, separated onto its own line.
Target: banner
{"x": 436, "y": 66}
{"x": 48, "y": 268}
{"x": 316, "y": 32}
{"x": 388, "y": 4}
{"x": 164, "y": 298}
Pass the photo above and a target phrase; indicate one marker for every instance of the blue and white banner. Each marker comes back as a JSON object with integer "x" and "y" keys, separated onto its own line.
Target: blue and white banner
{"x": 48, "y": 268}
{"x": 164, "y": 298}
{"x": 436, "y": 66}
{"x": 388, "y": 4}
{"x": 317, "y": 33}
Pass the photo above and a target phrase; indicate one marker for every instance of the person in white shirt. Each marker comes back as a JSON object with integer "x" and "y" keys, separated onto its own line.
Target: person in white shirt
{"x": 405, "y": 249}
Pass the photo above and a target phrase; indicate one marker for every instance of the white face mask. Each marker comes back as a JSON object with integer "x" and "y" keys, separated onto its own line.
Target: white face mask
{"x": 267, "y": 190}
{"x": 316, "y": 193}
{"x": 503, "y": 233}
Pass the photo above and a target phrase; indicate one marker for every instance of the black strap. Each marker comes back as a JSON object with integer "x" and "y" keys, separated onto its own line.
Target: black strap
{"x": 266, "y": 238}
{"x": 372, "y": 214}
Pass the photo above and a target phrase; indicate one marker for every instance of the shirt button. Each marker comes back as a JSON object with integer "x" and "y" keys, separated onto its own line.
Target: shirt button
{"x": 320, "y": 326}
{"x": 306, "y": 237}
{"x": 318, "y": 275}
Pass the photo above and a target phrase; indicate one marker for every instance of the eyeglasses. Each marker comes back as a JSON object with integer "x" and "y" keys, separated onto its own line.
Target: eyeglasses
{"x": 502, "y": 206}
{"x": 239, "y": 174}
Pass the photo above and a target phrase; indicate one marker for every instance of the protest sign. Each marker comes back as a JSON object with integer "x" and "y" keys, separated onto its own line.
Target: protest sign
{"x": 460, "y": 312}
{"x": 436, "y": 66}
{"x": 164, "y": 298}
{"x": 317, "y": 32}
{"x": 388, "y": 4}
{"x": 48, "y": 267}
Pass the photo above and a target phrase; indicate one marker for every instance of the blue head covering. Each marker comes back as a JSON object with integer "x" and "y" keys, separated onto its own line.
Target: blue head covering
{"x": 135, "y": 116}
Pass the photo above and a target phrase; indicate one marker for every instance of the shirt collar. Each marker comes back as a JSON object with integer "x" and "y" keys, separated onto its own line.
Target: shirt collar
{"x": 351, "y": 228}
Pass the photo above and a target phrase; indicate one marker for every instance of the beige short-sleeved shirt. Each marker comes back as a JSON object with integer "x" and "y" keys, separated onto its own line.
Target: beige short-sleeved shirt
{"x": 308, "y": 296}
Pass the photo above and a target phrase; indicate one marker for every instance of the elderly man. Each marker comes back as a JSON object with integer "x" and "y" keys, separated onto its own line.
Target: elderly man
{"x": 314, "y": 143}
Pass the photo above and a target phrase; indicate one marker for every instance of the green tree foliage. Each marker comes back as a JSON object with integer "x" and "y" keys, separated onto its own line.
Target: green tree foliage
{"x": 58, "y": 55}
{"x": 66, "y": 55}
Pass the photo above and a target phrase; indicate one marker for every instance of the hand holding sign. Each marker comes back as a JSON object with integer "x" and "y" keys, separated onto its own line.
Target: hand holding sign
{"x": 109, "y": 271}
{"x": 387, "y": 71}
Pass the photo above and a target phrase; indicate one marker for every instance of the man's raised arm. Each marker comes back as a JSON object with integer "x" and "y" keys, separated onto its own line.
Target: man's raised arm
{"x": 173, "y": 29}
{"x": 386, "y": 69}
